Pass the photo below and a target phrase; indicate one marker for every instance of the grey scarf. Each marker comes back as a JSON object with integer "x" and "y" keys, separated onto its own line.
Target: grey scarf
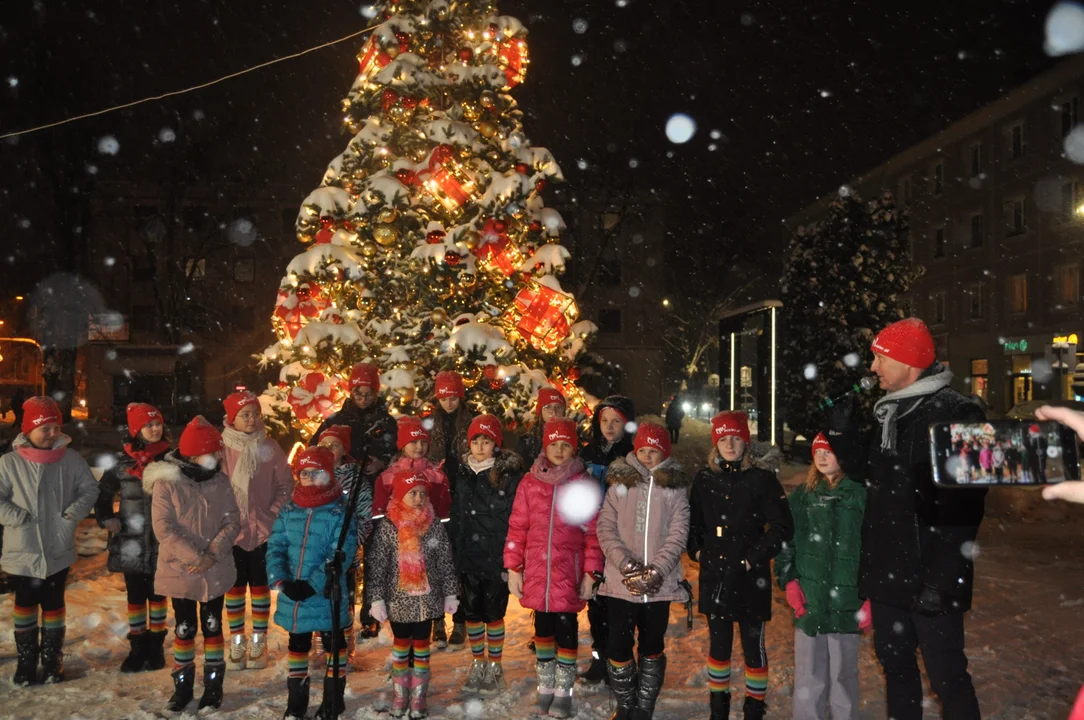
{"x": 887, "y": 409}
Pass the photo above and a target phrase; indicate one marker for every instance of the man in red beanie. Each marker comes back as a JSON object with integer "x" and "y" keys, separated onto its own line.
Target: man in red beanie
{"x": 918, "y": 581}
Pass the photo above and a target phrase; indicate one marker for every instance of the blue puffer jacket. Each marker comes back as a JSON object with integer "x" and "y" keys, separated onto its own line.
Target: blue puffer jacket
{"x": 301, "y": 541}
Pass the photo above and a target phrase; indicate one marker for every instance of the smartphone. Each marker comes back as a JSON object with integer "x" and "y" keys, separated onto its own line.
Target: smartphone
{"x": 1003, "y": 452}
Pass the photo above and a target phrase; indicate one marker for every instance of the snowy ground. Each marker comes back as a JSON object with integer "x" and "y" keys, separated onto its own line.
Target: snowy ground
{"x": 1025, "y": 638}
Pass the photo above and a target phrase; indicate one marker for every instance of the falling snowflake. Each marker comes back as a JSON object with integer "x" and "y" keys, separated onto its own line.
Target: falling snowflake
{"x": 167, "y": 135}
{"x": 680, "y": 128}
{"x": 809, "y": 372}
{"x": 108, "y": 145}
{"x": 186, "y": 348}
{"x": 579, "y": 26}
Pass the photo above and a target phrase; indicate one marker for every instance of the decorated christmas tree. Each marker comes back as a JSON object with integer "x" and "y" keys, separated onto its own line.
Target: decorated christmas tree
{"x": 844, "y": 280}
{"x": 428, "y": 244}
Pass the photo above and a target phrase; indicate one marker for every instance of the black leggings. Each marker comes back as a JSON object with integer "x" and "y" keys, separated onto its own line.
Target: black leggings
{"x": 412, "y": 631}
{"x": 562, "y": 626}
{"x": 752, "y": 641}
{"x": 210, "y": 617}
{"x": 49, "y": 593}
{"x": 251, "y": 567}
{"x": 140, "y": 587}
{"x": 651, "y": 619}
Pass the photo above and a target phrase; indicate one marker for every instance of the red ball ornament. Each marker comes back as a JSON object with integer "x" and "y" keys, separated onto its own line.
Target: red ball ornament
{"x": 523, "y": 168}
{"x": 403, "y": 38}
{"x": 327, "y": 222}
{"x": 495, "y": 29}
{"x": 500, "y": 226}
{"x": 466, "y": 54}
{"x": 490, "y": 372}
{"x": 406, "y": 176}
{"x": 389, "y": 97}
{"x": 304, "y": 293}
{"x": 452, "y": 258}
{"x": 535, "y": 226}
{"x": 435, "y": 237}
{"x": 496, "y": 384}
{"x": 540, "y": 185}
{"x": 573, "y": 374}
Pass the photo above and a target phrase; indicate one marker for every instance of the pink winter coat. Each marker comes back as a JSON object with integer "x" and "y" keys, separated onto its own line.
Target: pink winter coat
{"x": 191, "y": 518}
{"x": 268, "y": 492}
{"x": 986, "y": 458}
{"x": 554, "y": 555}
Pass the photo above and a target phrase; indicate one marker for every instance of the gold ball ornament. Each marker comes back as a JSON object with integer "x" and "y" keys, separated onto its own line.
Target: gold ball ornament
{"x": 369, "y": 249}
{"x": 439, "y": 316}
{"x": 388, "y": 215}
{"x": 471, "y": 112}
{"x": 400, "y": 114}
{"x": 471, "y": 375}
{"x": 467, "y": 279}
{"x": 386, "y": 234}
{"x": 486, "y": 129}
{"x": 392, "y": 50}
{"x": 487, "y": 99}
{"x": 471, "y": 240}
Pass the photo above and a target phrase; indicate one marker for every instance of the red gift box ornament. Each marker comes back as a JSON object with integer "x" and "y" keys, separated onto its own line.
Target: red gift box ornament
{"x": 292, "y": 306}
{"x": 448, "y": 182}
{"x": 543, "y": 315}
{"x": 512, "y": 58}
{"x": 314, "y": 396}
{"x": 496, "y": 253}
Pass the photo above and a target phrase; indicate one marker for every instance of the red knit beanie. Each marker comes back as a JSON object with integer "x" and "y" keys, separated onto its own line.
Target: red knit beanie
{"x": 140, "y": 415}
{"x": 410, "y": 429}
{"x": 487, "y": 425}
{"x": 907, "y": 341}
{"x": 340, "y": 433}
{"x": 234, "y": 402}
{"x": 821, "y": 443}
{"x": 40, "y": 410}
{"x": 549, "y": 396}
{"x": 365, "y": 375}
{"x": 450, "y": 384}
{"x": 558, "y": 430}
{"x": 315, "y": 458}
{"x": 730, "y": 422}
{"x": 199, "y": 438}
{"x": 403, "y": 481}
{"x": 652, "y": 436}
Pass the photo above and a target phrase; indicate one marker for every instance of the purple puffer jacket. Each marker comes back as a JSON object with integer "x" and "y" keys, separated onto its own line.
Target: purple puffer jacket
{"x": 553, "y": 554}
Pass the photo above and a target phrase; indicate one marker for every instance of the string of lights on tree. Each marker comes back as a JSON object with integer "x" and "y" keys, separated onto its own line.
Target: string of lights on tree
{"x": 428, "y": 244}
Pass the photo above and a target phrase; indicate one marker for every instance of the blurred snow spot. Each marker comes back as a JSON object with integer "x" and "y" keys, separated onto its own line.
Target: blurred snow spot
{"x": 581, "y": 164}
{"x": 130, "y": 549}
{"x": 630, "y": 427}
{"x": 265, "y": 452}
{"x": 579, "y": 26}
{"x": 136, "y": 522}
{"x": 166, "y": 135}
{"x": 24, "y": 223}
{"x": 844, "y": 190}
{"x": 577, "y": 60}
{"x": 1074, "y": 144}
{"x": 207, "y": 462}
{"x": 816, "y": 537}
{"x": 93, "y": 620}
{"x": 634, "y": 163}
{"x": 680, "y": 128}
{"x": 637, "y": 239}
{"x": 970, "y": 550}
{"x": 108, "y": 145}
{"x": 897, "y": 627}
{"x": 621, "y": 491}
{"x": 634, "y": 291}
{"x": 712, "y": 147}
{"x": 809, "y": 372}
{"x": 109, "y": 261}
{"x": 622, "y": 3}
{"x": 198, "y": 114}
{"x": 474, "y": 708}
{"x": 106, "y": 461}
{"x": 368, "y": 11}
{"x": 91, "y": 169}
{"x": 511, "y": 545}
{"x": 242, "y": 232}
{"x": 427, "y": 423}
{"x": 578, "y": 501}
{"x": 762, "y": 583}
{"x": 119, "y": 628}
{"x": 186, "y": 348}
{"x": 746, "y": 19}
{"x": 110, "y": 354}
{"x": 1041, "y": 371}
{"x": 851, "y": 360}
{"x": 12, "y": 81}
{"x": 652, "y": 262}
{"x": 716, "y": 134}
{"x": 1064, "y": 29}
{"x": 620, "y": 45}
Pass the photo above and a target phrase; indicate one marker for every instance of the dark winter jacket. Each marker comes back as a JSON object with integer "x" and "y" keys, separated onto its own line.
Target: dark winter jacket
{"x": 381, "y": 443}
{"x": 675, "y": 413}
{"x": 824, "y": 555}
{"x": 481, "y": 507}
{"x": 597, "y": 454}
{"x": 134, "y": 549}
{"x": 913, "y": 531}
{"x": 529, "y": 446}
{"x": 448, "y": 440}
{"x": 347, "y": 474}
{"x": 739, "y": 513}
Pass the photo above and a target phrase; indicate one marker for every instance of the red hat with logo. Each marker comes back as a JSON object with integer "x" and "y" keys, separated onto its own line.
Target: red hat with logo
{"x": 487, "y": 425}
{"x": 561, "y": 429}
{"x": 365, "y": 375}
{"x": 907, "y": 341}
{"x": 340, "y": 433}
{"x": 140, "y": 415}
{"x": 549, "y": 396}
{"x": 410, "y": 429}
{"x": 450, "y": 384}
{"x": 234, "y": 402}
{"x": 403, "y": 481}
{"x": 730, "y": 423}
{"x": 655, "y": 436}
{"x": 40, "y": 410}
{"x": 199, "y": 437}
{"x": 821, "y": 443}
{"x": 315, "y": 458}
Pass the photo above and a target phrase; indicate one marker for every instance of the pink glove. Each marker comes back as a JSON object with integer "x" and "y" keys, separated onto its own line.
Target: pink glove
{"x": 379, "y": 611}
{"x": 796, "y": 598}
{"x": 865, "y": 618}
{"x": 451, "y": 604}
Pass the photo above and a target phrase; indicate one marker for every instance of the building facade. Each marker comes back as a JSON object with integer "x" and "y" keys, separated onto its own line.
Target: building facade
{"x": 997, "y": 223}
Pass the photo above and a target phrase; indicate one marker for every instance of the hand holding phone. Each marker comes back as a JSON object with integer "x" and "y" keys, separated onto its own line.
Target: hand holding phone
{"x": 1003, "y": 452}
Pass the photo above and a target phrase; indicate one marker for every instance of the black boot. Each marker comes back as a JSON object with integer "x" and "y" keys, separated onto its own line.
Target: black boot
{"x": 333, "y": 706}
{"x": 156, "y": 657}
{"x": 137, "y": 655}
{"x": 183, "y": 680}
{"x": 754, "y": 709}
{"x": 596, "y": 673}
{"x": 652, "y": 673}
{"x": 214, "y": 674}
{"x": 297, "y": 704}
{"x": 52, "y": 655}
{"x": 623, "y": 684}
{"x": 26, "y": 646}
{"x": 720, "y": 705}
{"x": 440, "y": 634}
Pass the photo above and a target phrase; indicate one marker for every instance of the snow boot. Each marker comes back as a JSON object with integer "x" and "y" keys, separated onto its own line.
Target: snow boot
{"x": 137, "y": 655}
{"x": 418, "y": 691}
{"x": 652, "y": 673}
{"x": 52, "y": 655}
{"x": 623, "y": 684}
{"x": 400, "y": 702}
{"x": 547, "y": 679}
{"x": 754, "y": 709}
{"x": 237, "y": 658}
{"x": 562, "y": 694}
{"x": 156, "y": 657}
{"x": 214, "y": 674}
{"x": 493, "y": 684}
{"x": 720, "y": 705}
{"x": 184, "y": 679}
{"x": 458, "y": 639}
{"x": 297, "y": 701}
{"x": 27, "y": 648}
{"x": 257, "y": 652}
{"x": 440, "y": 634}
{"x": 476, "y": 676}
{"x": 333, "y": 705}
{"x": 596, "y": 672}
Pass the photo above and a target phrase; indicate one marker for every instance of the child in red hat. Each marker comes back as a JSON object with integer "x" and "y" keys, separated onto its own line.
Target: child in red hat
{"x": 133, "y": 549}
{"x": 411, "y": 579}
{"x": 413, "y": 442}
{"x": 739, "y": 522}
{"x": 553, "y": 523}
{"x": 549, "y": 405}
{"x": 302, "y": 540}
{"x": 46, "y": 488}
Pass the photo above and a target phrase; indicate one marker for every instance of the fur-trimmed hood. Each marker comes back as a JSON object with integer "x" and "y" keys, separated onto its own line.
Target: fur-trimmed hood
{"x": 759, "y": 455}
{"x": 629, "y": 471}
{"x": 170, "y": 468}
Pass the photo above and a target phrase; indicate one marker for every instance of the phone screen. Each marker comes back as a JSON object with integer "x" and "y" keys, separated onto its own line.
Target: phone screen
{"x": 1003, "y": 452}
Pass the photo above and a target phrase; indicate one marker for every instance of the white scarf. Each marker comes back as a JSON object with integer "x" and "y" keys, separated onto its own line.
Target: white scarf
{"x": 480, "y": 466}
{"x": 887, "y": 408}
{"x": 248, "y": 444}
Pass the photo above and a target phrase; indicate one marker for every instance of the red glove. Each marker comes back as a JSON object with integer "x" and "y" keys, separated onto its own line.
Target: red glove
{"x": 865, "y": 617}
{"x": 796, "y": 598}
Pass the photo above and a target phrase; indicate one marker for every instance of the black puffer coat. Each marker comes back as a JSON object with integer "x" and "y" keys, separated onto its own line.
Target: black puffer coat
{"x": 481, "y": 507}
{"x": 738, "y": 513}
{"x": 134, "y": 549}
{"x": 913, "y": 533}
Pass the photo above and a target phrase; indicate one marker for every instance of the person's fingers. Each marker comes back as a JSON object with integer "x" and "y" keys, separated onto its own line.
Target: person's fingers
{"x": 1072, "y": 491}
{"x": 1066, "y": 416}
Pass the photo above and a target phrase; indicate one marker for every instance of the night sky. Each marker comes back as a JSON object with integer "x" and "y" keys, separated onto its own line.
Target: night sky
{"x": 802, "y": 101}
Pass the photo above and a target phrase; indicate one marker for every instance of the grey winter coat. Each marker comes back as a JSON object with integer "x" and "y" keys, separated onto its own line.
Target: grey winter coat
{"x": 382, "y": 573}
{"x": 41, "y": 504}
{"x": 644, "y": 517}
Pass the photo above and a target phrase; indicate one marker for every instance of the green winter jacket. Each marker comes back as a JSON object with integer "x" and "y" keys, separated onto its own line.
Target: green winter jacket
{"x": 824, "y": 554}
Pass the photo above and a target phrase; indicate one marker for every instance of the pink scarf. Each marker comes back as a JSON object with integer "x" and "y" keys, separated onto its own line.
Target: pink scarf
{"x": 412, "y": 524}
{"x": 37, "y": 455}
